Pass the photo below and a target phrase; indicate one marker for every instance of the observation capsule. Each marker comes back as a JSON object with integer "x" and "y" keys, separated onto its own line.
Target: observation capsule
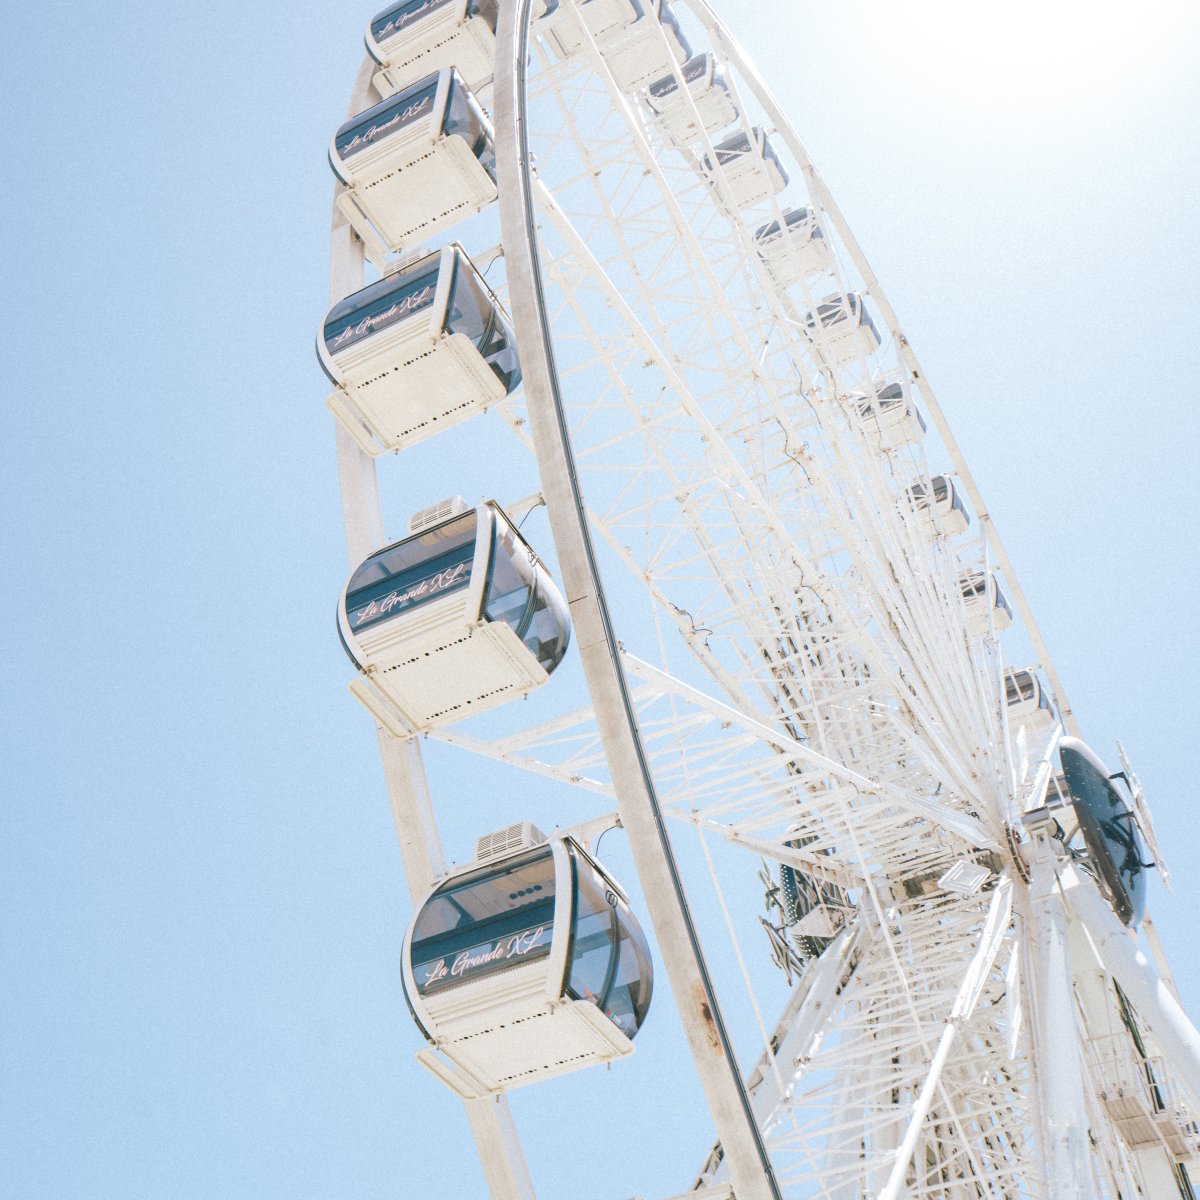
{"x": 419, "y": 162}
{"x": 457, "y": 618}
{"x": 1027, "y": 701}
{"x": 986, "y": 605}
{"x": 749, "y": 166}
{"x": 415, "y": 37}
{"x": 525, "y": 964}
{"x": 841, "y": 329}
{"x": 417, "y": 352}
{"x": 945, "y": 513}
{"x": 794, "y": 250}
{"x": 1116, "y": 853}
{"x": 891, "y": 420}
{"x": 705, "y": 83}
{"x": 640, "y": 39}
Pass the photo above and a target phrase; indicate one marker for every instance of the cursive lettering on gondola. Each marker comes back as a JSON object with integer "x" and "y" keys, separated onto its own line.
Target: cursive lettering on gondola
{"x": 401, "y": 18}
{"x": 369, "y": 324}
{"x": 406, "y": 115}
{"x": 516, "y": 946}
{"x": 440, "y": 582}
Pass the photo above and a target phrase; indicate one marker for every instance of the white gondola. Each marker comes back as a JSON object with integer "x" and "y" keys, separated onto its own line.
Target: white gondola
{"x": 527, "y": 963}
{"x": 417, "y": 352}
{"x": 705, "y": 83}
{"x": 419, "y": 162}
{"x": 945, "y": 513}
{"x": 794, "y": 250}
{"x": 749, "y": 168}
{"x": 890, "y": 419}
{"x": 1027, "y": 702}
{"x": 640, "y": 39}
{"x": 415, "y": 37}
{"x": 841, "y": 329}
{"x": 986, "y": 605}
{"x": 457, "y": 618}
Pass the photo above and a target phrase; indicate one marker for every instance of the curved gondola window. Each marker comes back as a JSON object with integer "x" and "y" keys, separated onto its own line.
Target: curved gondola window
{"x": 609, "y": 959}
{"x": 411, "y": 573}
{"x": 474, "y": 314}
{"x": 465, "y": 118}
{"x": 494, "y": 919}
{"x": 399, "y": 17}
{"x": 535, "y": 615}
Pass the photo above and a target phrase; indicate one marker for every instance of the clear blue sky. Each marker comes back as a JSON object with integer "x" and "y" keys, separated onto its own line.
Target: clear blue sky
{"x": 201, "y": 901}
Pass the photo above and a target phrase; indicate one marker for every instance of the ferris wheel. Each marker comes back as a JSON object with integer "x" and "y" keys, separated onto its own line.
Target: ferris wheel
{"x": 775, "y": 623}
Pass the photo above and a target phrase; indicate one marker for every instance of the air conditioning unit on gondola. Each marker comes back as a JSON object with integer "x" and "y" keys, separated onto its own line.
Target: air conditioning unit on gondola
{"x": 417, "y": 352}
{"x": 415, "y": 164}
{"x": 455, "y": 619}
{"x": 526, "y": 965}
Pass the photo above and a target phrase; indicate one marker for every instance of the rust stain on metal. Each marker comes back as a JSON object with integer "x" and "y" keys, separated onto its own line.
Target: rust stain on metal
{"x": 710, "y": 1026}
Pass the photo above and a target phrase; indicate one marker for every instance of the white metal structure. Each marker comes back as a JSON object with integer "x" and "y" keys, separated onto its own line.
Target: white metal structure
{"x": 787, "y": 665}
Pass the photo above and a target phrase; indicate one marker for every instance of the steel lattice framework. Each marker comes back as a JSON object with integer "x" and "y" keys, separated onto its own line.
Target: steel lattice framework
{"x": 805, "y": 677}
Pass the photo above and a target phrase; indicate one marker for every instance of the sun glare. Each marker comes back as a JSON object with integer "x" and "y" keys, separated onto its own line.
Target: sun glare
{"x": 1027, "y": 50}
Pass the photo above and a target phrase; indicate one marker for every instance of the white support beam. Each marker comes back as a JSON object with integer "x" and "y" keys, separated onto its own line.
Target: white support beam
{"x": 1117, "y": 949}
{"x": 1055, "y": 1033}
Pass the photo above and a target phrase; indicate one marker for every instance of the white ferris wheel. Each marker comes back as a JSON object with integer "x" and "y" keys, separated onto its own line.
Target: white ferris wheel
{"x": 779, "y": 644}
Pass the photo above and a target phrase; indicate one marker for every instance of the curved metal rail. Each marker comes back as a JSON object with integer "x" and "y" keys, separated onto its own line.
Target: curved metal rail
{"x": 596, "y": 640}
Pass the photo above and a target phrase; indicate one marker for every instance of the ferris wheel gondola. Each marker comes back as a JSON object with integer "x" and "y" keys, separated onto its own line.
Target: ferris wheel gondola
{"x": 745, "y": 167}
{"x": 456, "y": 618}
{"x": 640, "y": 39}
{"x": 425, "y": 347}
{"x": 940, "y": 506}
{"x": 1027, "y": 701}
{"x": 703, "y": 107}
{"x": 1116, "y": 851}
{"x": 842, "y": 329}
{"x": 415, "y": 37}
{"x": 794, "y": 249}
{"x": 526, "y": 965}
{"x": 416, "y": 163}
{"x": 986, "y": 605}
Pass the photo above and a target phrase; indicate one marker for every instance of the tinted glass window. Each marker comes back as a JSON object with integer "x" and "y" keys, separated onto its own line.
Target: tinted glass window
{"x": 494, "y": 919}
{"x": 609, "y": 959}
{"x": 380, "y": 305}
{"x": 1019, "y": 686}
{"x": 396, "y": 113}
{"x": 1111, "y": 834}
{"x": 693, "y": 69}
{"x": 464, "y": 118}
{"x": 473, "y": 313}
{"x": 512, "y": 579}
{"x": 412, "y": 573}
{"x": 402, "y": 16}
